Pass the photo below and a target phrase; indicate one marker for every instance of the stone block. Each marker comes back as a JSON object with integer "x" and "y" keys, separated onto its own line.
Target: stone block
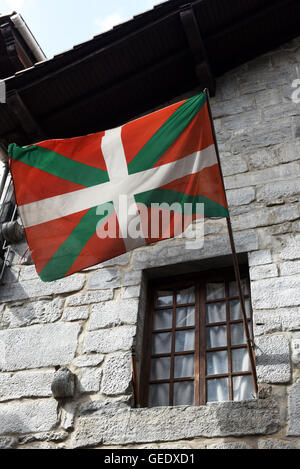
{"x": 261, "y": 76}
{"x": 109, "y": 340}
{"x": 296, "y": 348}
{"x": 229, "y": 445}
{"x": 285, "y": 109}
{"x": 273, "y": 359}
{"x": 267, "y": 98}
{"x": 265, "y": 217}
{"x": 90, "y": 380}
{"x": 278, "y": 292}
{"x": 8, "y": 442}
{"x": 88, "y": 360}
{"x": 25, "y": 384}
{"x": 36, "y": 445}
{"x": 92, "y": 407}
{"x": 277, "y": 444}
{"x": 233, "y": 165}
{"x": 234, "y": 106}
{"x": 68, "y": 415}
{"x": 120, "y": 260}
{"x": 55, "y": 436}
{"x": 289, "y": 152}
{"x": 260, "y": 258}
{"x": 294, "y": 410}
{"x": 28, "y": 417}
{"x": 272, "y": 191}
{"x": 38, "y": 289}
{"x": 263, "y": 176}
{"x": 264, "y": 158}
{"x": 238, "y": 197}
{"x": 132, "y": 278}
{"x": 272, "y": 133}
{"x": 113, "y": 313}
{"x": 38, "y": 346}
{"x": 105, "y": 279}
{"x": 131, "y": 292}
{"x": 240, "y": 209}
{"x": 282, "y": 320}
{"x": 292, "y": 251}
{"x": 116, "y": 261}
{"x": 11, "y": 274}
{"x": 76, "y": 313}
{"x": 242, "y": 121}
{"x": 28, "y": 273}
{"x": 214, "y": 226}
{"x": 40, "y": 312}
{"x": 266, "y": 323}
{"x": 263, "y": 271}
{"x": 90, "y": 298}
{"x": 226, "y": 88}
{"x": 290, "y": 268}
{"x": 175, "y": 252}
{"x": 137, "y": 426}
{"x": 117, "y": 374}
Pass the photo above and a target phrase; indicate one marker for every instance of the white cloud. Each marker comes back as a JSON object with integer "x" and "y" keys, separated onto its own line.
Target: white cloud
{"x": 109, "y": 21}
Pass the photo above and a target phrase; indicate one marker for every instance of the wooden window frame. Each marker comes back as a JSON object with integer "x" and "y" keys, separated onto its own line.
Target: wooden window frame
{"x": 200, "y": 350}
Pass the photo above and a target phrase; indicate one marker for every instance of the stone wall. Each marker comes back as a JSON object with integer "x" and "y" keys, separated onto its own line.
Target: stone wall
{"x": 90, "y": 321}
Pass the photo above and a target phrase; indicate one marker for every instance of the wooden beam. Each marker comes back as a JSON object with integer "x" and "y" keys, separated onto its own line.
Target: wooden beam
{"x": 26, "y": 119}
{"x": 196, "y": 44}
{"x": 115, "y": 44}
{"x": 86, "y": 101}
{"x": 10, "y": 44}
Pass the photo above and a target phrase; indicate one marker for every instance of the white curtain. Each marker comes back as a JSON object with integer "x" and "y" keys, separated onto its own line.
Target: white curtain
{"x": 243, "y": 388}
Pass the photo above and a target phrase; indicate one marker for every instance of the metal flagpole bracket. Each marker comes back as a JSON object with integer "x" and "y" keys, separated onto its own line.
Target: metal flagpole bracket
{"x": 250, "y": 343}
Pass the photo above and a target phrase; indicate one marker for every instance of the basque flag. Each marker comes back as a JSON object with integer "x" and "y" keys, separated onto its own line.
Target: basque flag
{"x": 68, "y": 191}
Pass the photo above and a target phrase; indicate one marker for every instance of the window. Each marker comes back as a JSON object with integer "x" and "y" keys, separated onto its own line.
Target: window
{"x": 195, "y": 347}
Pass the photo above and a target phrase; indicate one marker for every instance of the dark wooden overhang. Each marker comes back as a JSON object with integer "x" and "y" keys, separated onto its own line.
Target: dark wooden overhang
{"x": 141, "y": 64}
{"x": 15, "y": 54}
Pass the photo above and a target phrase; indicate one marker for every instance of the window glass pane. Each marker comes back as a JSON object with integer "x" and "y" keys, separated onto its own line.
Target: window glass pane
{"x": 162, "y": 343}
{"x": 235, "y": 309}
{"x": 238, "y": 334}
{"x": 163, "y": 319}
{"x": 217, "y": 390}
{"x": 164, "y": 298}
{"x": 160, "y": 368}
{"x": 216, "y": 312}
{"x": 158, "y": 395}
{"x": 184, "y": 366}
{"x": 243, "y": 388}
{"x": 186, "y": 296}
{"x": 185, "y": 340}
{"x": 233, "y": 289}
{"x": 215, "y": 291}
{"x": 216, "y": 337}
{"x": 184, "y": 393}
{"x": 185, "y": 317}
{"x": 240, "y": 360}
{"x": 217, "y": 363}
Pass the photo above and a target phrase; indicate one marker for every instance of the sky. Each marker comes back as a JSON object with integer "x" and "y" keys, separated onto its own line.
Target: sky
{"x": 58, "y": 25}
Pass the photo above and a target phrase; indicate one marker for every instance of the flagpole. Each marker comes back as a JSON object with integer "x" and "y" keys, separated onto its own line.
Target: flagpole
{"x": 134, "y": 378}
{"x": 235, "y": 259}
